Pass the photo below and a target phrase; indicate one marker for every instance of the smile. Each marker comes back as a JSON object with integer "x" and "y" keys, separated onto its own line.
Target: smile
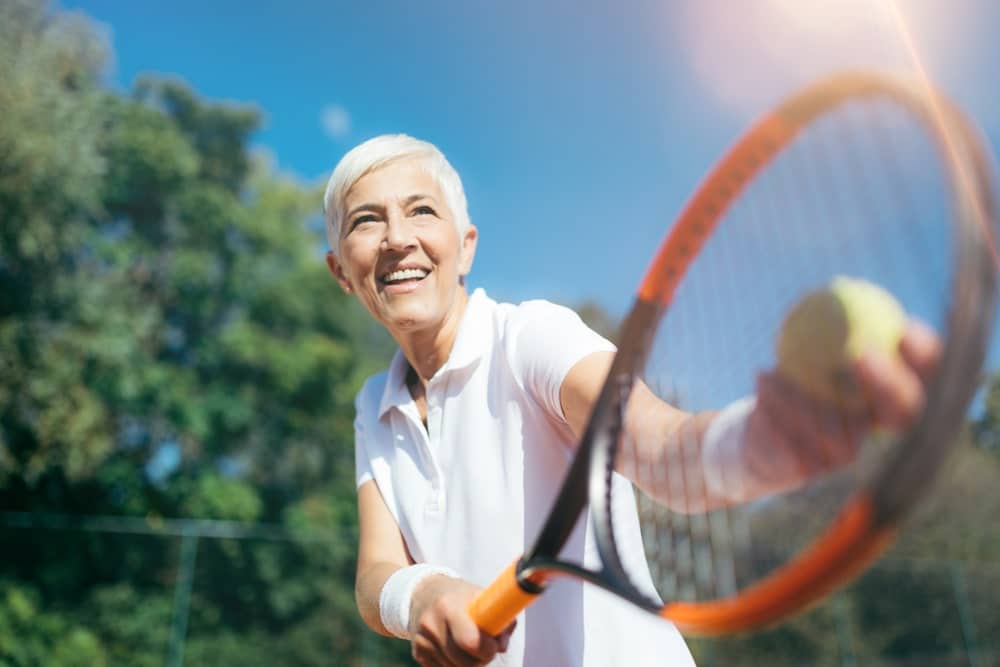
{"x": 403, "y": 275}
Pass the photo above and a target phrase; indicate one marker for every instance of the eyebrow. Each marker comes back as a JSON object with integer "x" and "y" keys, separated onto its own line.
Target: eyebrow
{"x": 368, "y": 206}
{"x": 362, "y": 207}
{"x": 417, "y": 197}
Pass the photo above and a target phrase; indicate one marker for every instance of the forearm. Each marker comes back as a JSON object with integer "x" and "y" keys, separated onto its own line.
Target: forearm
{"x": 662, "y": 448}
{"x": 367, "y": 589}
{"x": 663, "y": 454}
{"x": 391, "y": 596}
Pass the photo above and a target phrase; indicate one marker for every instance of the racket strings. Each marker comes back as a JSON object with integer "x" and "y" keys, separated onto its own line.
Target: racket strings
{"x": 915, "y": 220}
{"x": 856, "y": 195}
{"x": 830, "y": 160}
{"x": 723, "y": 525}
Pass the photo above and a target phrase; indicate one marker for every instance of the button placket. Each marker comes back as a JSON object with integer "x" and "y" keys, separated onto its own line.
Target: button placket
{"x": 432, "y": 504}
{"x": 433, "y": 436}
{"x": 419, "y": 435}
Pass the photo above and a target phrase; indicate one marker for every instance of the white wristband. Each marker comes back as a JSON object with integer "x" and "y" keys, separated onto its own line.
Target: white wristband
{"x": 726, "y": 474}
{"x": 394, "y": 600}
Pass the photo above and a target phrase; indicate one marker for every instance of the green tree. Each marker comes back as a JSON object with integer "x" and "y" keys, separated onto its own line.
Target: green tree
{"x": 171, "y": 346}
{"x": 50, "y": 172}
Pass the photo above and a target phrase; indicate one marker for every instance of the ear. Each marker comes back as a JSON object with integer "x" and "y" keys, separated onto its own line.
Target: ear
{"x": 468, "y": 252}
{"x": 337, "y": 270}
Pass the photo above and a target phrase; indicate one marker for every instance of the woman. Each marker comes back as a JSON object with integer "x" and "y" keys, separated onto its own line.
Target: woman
{"x": 461, "y": 444}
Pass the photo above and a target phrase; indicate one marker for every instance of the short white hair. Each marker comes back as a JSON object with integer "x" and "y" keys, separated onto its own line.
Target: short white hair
{"x": 378, "y": 152}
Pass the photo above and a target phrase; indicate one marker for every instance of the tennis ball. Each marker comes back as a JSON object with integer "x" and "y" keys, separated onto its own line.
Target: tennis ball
{"x": 831, "y": 327}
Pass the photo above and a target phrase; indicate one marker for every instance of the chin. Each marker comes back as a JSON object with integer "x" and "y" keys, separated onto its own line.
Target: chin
{"x": 409, "y": 319}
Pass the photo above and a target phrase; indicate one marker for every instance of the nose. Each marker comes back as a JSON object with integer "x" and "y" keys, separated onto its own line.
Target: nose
{"x": 400, "y": 233}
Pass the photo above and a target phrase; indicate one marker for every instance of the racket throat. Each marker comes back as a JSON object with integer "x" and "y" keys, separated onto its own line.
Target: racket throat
{"x": 532, "y": 580}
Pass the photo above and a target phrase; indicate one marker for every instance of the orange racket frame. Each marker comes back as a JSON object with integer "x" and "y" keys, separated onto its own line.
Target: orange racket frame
{"x": 869, "y": 520}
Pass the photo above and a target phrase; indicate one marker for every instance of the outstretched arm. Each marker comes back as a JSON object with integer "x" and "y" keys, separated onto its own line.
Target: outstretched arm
{"x": 785, "y": 439}
{"x": 658, "y": 434}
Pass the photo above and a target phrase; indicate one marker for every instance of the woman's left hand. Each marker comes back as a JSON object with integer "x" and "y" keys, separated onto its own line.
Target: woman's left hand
{"x": 792, "y": 437}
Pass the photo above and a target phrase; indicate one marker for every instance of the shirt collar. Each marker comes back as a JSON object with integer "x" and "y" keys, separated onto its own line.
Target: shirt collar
{"x": 470, "y": 344}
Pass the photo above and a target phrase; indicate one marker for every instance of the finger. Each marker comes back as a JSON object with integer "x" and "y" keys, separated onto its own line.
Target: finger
{"x": 426, "y": 653}
{"x": 801, "y": 422}
{"x": 834, "y": 430}
{"x": 781, "y": 460}
{"x": 921, "y": 349}
{"x": 823, "y": 435}
{"x": 896, "y": 391}
{"x": 468, "y": 642}
{"x": 504, "y": 639}
{"x": 843, "y": 435}
{"x": 430, "y": 638}
{"x": 788, "y": 407}
{"x": 461, "y": 652}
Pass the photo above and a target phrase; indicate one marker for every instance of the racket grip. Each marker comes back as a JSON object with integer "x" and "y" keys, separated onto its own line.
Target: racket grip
{"x": 498, "y": 604}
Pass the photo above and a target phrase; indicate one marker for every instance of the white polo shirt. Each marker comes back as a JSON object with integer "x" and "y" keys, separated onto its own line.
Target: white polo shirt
{"x": 472, "y": 490}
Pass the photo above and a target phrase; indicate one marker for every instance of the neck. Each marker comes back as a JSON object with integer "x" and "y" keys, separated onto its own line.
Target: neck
{"x": 427, "y": 350}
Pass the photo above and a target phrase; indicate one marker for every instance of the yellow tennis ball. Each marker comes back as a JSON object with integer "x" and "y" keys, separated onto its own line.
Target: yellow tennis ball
{"x": 831, "y": 327}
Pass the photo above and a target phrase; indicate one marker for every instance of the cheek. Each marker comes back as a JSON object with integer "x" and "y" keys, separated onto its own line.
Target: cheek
{"x": 357, "y": 263}
{"x": 446, "y": 252}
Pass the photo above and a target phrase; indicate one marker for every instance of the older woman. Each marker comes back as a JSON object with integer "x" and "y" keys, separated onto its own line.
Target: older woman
{"x": 461, "y": 444}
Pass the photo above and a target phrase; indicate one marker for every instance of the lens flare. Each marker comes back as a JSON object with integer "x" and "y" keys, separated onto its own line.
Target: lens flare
{"x": 749, "y": 54}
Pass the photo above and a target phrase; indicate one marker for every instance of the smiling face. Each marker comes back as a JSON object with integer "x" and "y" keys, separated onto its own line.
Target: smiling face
{"x": 400, "y": 252}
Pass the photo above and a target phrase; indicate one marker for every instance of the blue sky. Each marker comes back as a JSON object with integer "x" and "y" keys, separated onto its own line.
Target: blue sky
{"x": 579, "y": 128}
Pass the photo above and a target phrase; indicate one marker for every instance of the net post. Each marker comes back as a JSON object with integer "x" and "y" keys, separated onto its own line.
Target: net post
{"x": 182, "y": 595}
{"x": 965, "y": 619}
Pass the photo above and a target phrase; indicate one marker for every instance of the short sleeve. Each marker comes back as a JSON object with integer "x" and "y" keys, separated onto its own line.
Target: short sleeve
{"x": 362, "y": 462}
{"x": 544, "y": 341}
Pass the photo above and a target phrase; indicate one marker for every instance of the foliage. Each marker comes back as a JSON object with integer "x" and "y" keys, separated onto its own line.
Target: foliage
{"x": 50, "y": 170}
{"x": 172, "y": 346}
{"x": 28, "y": 636}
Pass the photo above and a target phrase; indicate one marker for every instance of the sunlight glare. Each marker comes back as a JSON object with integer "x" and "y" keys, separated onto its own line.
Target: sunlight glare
{"x": 750, "y": 54}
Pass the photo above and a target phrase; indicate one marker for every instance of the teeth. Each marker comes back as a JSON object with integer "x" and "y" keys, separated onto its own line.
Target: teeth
{"x": 405, "y": 274}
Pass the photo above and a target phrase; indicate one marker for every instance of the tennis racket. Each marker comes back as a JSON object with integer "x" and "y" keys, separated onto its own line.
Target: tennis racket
{"x": 862, "y": 175}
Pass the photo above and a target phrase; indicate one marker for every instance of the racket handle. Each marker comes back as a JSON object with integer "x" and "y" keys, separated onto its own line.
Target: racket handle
{"x": 498, "y": 604}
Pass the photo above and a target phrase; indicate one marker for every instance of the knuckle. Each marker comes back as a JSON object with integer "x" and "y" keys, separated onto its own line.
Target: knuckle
{"x": 471, "y": 647}
{"x": 425, "y": 625}
{"x": 442, "y": 606}
{"x": 423, "y": 652}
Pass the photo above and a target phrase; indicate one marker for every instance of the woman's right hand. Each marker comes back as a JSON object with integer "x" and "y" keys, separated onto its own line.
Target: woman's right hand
{"x": 442, "y": 631}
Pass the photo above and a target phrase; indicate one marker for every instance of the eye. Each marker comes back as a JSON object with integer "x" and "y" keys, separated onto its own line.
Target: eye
{"x": 424, "y": 209}
{"x": 362, "y": 219}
